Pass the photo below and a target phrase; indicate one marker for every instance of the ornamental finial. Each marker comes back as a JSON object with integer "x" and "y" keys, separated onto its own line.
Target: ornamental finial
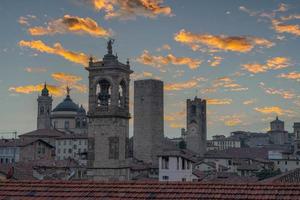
{"x": 109, "y": 46}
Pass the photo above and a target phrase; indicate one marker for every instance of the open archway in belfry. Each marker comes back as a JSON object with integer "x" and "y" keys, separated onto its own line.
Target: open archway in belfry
{"x": 103, "y": 93}
{"x": 122, "y": 94}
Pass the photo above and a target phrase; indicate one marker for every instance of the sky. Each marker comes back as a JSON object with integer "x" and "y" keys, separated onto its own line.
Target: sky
{"x": 241, "y": 56}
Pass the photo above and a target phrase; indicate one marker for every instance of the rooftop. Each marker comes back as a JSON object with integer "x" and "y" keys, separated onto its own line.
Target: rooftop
{"x": 77, "y": 190}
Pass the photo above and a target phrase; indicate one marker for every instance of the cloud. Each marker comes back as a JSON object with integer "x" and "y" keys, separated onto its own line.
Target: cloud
{"x": 142, "y": 75}
{"x": 129, "y": 9}
{"x": 71, "y": 24}
{"x": 292, "y": 75}
{"x": 57, "y": 49}
{"x": 221, "y": 42}
{"x": 164, "y": 47}
{"x": 250, "y": 101}
{"x": 24, "y": 20}
{"x": 225, "y": 82}
{"x": 286, "y": 94}
{"x": 271, "y": 64}
{"x": 28, "y": 89}
{"x": 219, "y": 101}
{"x": 35, "y": 69}
{"x": 231, "y": 120}
{"x": 181, "y": 86}
{"x": 216, "y": 61}
{"x": 280, "y": 27}
{"x": 273, "y": 110}
{"x": 59, "y": 89}
{"x": 158, "y": 61}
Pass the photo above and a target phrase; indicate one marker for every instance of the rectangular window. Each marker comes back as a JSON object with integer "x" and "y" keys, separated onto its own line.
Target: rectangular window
{"x": 182, "y": 163}
{"x": 67, "y": 124}
{"x": 113, "y": 148}
{"x": 70, "y": 150}
{"x": 165, "y": 162}
{"x": 177, "y": 162}
{"x": 165, "y": 178}
{"x": 285, "y": 162}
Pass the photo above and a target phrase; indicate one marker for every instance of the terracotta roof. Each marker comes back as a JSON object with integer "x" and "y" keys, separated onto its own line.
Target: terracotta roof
{"x": 79, "y": 190}
{"x": 292, "y": 176}
{"x": 253, "y": 153}
{"x": 43, "y": 133}
{"x": 22, "y": 171}
{"x": 20, "y": 142}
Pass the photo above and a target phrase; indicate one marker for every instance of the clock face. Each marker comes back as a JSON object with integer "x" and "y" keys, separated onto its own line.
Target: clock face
{"x": 193, "y": 128}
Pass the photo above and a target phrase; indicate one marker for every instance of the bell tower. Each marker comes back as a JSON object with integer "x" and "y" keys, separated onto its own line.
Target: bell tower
{"x": 108, "y": 128}
{"x": 44, "y": 109}
{"x": 196, "y": 125}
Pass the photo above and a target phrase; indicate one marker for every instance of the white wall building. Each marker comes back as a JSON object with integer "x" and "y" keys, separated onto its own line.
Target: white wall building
{"x": 72, "y": 146}
{"x": 176, "y": 166}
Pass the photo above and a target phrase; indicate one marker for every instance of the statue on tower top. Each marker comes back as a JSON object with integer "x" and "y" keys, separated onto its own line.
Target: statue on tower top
{"x": 109, "y": 46}
{"x": 68, "y": 90}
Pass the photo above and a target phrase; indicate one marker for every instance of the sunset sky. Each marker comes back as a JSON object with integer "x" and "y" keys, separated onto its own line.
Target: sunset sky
{"x": 242, "y": 56}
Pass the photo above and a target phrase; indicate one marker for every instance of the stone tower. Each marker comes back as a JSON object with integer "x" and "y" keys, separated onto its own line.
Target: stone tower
{"x": 196, "y": 125}
{"x": 108, "y": 127}
{"x": 44, "y": 109}
{"x": 277, "y": 133}
{"x": 148, "y": 132}
{"x": 297, "y": 139}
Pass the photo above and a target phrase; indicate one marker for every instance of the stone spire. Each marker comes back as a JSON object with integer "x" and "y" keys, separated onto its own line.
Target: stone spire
{"x": 45, "y": 91}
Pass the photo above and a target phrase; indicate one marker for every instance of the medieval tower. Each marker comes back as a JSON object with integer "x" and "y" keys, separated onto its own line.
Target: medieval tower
{"x": 108, "y": 127}
{"x": 148, "y": 120}
{"x": 196, "y": 125}
{"x": 44, "y": 109}
{"x": 297, "y": 139}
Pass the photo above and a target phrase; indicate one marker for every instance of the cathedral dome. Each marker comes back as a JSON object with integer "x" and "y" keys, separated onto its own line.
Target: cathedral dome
{"x": 67, "y": 105}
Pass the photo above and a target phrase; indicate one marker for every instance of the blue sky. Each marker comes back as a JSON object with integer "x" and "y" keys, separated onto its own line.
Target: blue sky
{"x": 243, "y": 56}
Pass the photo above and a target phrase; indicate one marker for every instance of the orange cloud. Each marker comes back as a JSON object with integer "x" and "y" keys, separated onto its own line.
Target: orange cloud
{"x": 224, "y": 82}
{"x": 128, "y": 9}
{"x": 216, "y": 61}
{"x": 57, "y": 49}
{"x": 28, "y": 89}
{"x": 250, "y": 101}
{"x": 279, "y": 27}
{"x": 136, "y": 76}
{"x": 63, "y": 80}
{"x": 221, "y": 42}
{"x": 158, "y": 61}
{"x": 231, "y": 120}
{"x": 219, "y": 101}
{"x": 286, "y": 94}
{"x": 164, "y": 47}
{"x": 72, "y": 24}
{"x": 181, "y": 86}
{"x": 291, "y": 75}
{"x": 272, "y": 110}
{"x": 271, "y": 64}
{"x": 24, "y": 20}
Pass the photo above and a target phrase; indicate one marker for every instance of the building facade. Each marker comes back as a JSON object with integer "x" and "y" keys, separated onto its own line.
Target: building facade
{"x": 196, "y": 125}
{"x": 108, "y": 128}
{"x": 148, "y": 133}
{"x": 277, "y": 133}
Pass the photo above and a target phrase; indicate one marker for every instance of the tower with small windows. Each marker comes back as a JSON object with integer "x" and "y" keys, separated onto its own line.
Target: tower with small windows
{"x": 297, "y": 139}
{"x": 108, "y": 126}
{"x": 44, "y": 109}
{"x": 196, "y": 125}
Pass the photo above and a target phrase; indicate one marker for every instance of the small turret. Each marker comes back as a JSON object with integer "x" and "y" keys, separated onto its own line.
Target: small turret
{"x": 45, "y": 91}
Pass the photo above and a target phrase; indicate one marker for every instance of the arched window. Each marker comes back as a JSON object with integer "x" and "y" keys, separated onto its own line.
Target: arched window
{"x": 83, "y": 122}
{"x": 103, "y": 93}
{"x": 122, "y": 92}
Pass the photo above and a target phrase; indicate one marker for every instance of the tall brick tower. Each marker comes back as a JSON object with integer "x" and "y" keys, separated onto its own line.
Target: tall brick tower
{"x": 108, "y": 128}
{"x": 44, "y": 109}
{"x": 297, "y": 139}
{"x": 148, "y": 120}
{"x": 196, "y": 125}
